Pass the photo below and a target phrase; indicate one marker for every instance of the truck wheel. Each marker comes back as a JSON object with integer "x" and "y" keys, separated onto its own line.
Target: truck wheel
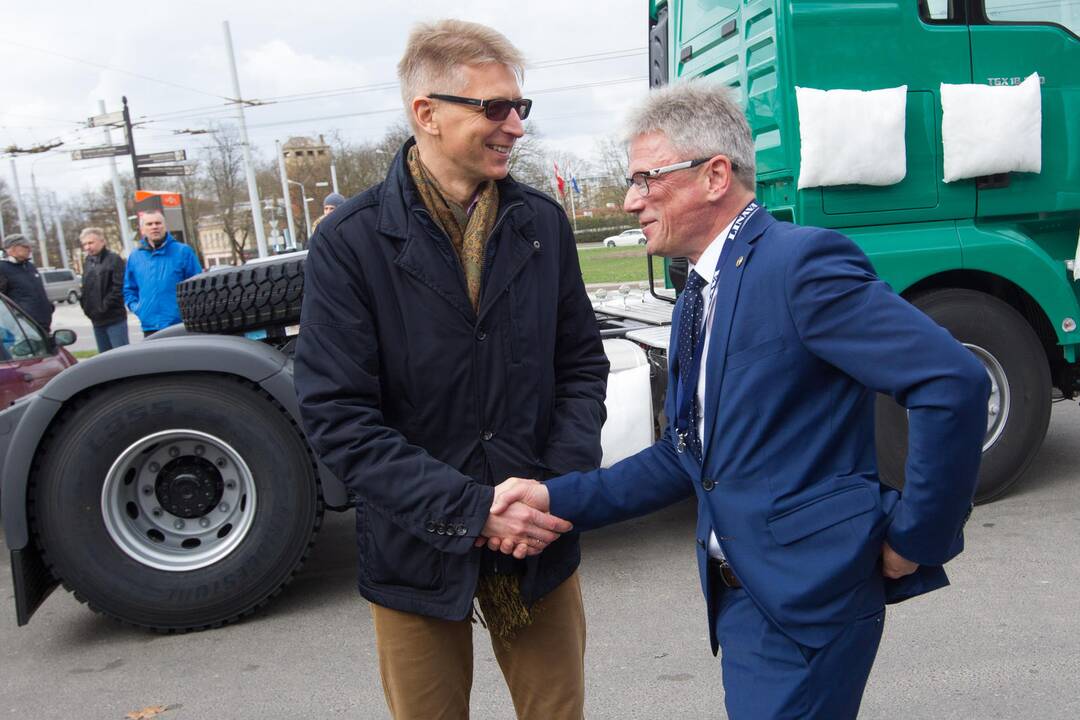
{"x": 1019, "y": 408}
{"x": 176, "y": 503}
{"x": 249, "y": 297}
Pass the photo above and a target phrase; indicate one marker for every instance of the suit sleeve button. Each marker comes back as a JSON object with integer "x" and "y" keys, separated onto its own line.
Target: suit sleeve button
{"x": 430, "y": 527}
{"x": 462, "y": 530}
{"x": 487, "y": 435}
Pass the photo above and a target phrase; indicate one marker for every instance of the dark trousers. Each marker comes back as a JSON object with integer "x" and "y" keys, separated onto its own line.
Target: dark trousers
{"x": 769, "y": 676}
{"x": 111, "y": 336}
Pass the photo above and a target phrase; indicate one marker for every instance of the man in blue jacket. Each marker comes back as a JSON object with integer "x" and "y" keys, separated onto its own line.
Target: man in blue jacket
{"x": 446, "y": 343}
{"x": 779, "y": 342}
{"x": 153, "y": 271}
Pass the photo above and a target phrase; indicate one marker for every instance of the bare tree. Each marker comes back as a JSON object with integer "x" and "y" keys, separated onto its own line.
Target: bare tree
{"x": 613, "y": 163}
{"x": 225, "y": 170}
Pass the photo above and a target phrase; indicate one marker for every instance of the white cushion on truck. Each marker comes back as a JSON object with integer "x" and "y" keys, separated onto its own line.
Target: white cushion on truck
{"x": 988, "y": 129}
{"x": 851, "y": 137}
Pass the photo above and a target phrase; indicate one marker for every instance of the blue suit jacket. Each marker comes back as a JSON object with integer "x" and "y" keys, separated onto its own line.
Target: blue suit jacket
{"x": 804, "y": 333}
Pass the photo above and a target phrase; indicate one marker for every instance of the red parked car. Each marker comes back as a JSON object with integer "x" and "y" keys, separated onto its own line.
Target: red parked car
{"x": 29, "y": 357}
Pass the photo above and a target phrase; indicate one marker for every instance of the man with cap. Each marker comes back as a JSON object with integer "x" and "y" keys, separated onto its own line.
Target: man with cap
{"x": 328, "y": 205}
{"x": 19, "y": 280}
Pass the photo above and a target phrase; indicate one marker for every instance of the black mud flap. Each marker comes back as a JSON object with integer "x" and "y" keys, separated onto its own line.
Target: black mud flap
{"x": 33, "y": 582}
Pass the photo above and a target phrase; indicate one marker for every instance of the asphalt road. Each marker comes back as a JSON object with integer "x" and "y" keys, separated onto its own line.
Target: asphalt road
{"x": 71, "y": 317}
{"x": 1002, "y": 642}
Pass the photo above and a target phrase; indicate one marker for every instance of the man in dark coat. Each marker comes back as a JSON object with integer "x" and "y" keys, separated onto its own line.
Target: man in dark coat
{"x": 103, "y": 290}
{"x": 20, "y": 281}
{"x": 447, "y": 343}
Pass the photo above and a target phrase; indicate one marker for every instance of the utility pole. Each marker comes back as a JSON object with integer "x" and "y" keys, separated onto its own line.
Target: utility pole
{"x": 285, "y": 193}
{"x": 333, "y": 174}
{"x": 42, "y": 239}
{"x": 59, "y": 234}
{"x": 130, "y": 137}
{"x": 253, "y": 189}
{"x": 19, "y": 209}
{"x": 118, "y": 195}
{"x": 3, "y": 231}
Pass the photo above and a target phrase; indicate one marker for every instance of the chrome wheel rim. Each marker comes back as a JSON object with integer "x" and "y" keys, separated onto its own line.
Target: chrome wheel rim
{"x": 1000, "y": 402}
{"x": 178, "y": 500}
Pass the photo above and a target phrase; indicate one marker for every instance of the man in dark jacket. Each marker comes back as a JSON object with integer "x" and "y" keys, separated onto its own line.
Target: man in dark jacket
{"x": 103, "y": 290}
{"x": 446, "y": 342}
{"x": 19, "y": 280}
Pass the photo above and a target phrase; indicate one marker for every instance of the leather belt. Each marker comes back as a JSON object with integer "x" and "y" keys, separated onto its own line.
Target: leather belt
{"x": 725, "y": 572}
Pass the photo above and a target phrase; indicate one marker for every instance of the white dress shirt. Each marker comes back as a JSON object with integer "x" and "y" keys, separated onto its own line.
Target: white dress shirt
{"x": 706, "y": 268}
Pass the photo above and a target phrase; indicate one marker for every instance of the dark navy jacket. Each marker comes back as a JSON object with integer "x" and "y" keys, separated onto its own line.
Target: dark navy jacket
{"x": 21, "y": 282}
{"x": 804, "y": 333}
{"x": 420, "y": 405}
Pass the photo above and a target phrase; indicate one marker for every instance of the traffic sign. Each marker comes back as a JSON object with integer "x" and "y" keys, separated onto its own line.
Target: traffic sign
{"x": 113, "y": 118}
{"x": 161, "y": 157}
{"x": 166, "y": 170}
{"x": 101, "y": 151}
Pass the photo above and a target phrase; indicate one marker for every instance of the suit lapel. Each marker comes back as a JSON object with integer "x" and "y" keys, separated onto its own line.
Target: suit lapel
{"x": 727, "y": 297}
{"x": 422, "y": 258}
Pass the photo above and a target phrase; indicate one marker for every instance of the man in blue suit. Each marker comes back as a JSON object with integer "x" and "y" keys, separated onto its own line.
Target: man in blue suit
{"x": 779, "y": 342}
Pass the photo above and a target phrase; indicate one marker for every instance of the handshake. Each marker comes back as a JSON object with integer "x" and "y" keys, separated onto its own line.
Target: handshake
{"x": 519, "y": 523}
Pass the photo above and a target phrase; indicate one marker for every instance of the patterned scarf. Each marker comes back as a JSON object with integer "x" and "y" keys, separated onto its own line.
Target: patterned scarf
{"x": 468, "y": 231}
{"x": 498, "y": 595}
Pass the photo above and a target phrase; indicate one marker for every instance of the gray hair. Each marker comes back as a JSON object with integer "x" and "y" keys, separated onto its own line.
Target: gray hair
{"x": 87, "y": 232}
{"x": 701, "y": 119}
{"x": 436, "y": 53}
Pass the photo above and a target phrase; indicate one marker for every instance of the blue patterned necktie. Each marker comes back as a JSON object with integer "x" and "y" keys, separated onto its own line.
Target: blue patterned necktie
{"x": 690, "y": 350}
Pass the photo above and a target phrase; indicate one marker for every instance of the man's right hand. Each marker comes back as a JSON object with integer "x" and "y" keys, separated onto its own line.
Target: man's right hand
{"x": 519, "y": 524}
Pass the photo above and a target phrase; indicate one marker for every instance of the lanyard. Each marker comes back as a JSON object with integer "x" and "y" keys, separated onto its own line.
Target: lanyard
{"x": 686, "y": 420}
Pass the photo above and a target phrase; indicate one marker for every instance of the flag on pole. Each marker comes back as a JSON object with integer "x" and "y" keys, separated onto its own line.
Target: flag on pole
{"x": 559, "y": 182}
{"x": 573, "y": 183}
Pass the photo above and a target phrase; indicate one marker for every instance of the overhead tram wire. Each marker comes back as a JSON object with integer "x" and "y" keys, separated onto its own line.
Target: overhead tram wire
{"x": 542, "y": 91}
{"x": 374, "y": 87}
{"x": 110, "y": 68}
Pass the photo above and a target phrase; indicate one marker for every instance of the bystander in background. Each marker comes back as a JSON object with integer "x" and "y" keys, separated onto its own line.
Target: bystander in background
{"x": 103, "y": 290}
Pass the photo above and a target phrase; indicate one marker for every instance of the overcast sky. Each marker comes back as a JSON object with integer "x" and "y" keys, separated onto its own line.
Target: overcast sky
{"x": 284, "y": 49}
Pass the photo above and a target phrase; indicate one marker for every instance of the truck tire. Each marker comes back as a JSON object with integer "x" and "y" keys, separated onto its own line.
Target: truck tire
{"x": 175, "y": 503}
{"x": 249, "y": 297}
{"x": 1019, "y": 410}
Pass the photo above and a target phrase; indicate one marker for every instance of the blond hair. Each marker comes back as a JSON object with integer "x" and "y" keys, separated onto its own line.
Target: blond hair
{"x": 436, "y": 52}
{"x": 87, "y": 232}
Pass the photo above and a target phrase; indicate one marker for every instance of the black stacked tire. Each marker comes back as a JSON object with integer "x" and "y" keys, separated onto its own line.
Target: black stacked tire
{"x": 259, "y": 295}
{"x": 1019, "y": 410}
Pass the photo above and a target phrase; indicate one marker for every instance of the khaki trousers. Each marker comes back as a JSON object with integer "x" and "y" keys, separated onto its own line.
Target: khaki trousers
{"x": 426, "y": 663}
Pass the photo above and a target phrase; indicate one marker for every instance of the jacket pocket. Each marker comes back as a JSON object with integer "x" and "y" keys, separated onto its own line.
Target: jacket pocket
{"x": 754, "y": 353}
{"x": 820, "y": 513}
{"x": 392, "y": 556}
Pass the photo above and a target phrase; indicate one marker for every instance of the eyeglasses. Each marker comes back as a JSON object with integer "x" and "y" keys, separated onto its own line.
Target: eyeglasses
{"x": 640, "y": 180}
{"x": 497, "y": 110}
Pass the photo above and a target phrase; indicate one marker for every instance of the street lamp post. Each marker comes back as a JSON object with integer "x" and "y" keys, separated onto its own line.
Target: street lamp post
{"x": 306, "y": 200}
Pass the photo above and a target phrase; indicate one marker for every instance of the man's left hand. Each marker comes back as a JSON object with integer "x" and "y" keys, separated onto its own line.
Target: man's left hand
{"x": 894, "y": 565}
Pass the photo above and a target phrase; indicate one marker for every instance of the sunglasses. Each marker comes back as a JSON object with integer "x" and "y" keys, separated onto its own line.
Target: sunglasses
{"x": 497, "y": 110}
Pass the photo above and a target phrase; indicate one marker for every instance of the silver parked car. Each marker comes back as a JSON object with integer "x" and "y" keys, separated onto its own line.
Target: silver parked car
{"x": 61, "y": 285}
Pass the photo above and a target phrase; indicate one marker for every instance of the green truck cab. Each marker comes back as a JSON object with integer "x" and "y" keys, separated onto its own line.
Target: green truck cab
{"x": 990, "y": 258}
